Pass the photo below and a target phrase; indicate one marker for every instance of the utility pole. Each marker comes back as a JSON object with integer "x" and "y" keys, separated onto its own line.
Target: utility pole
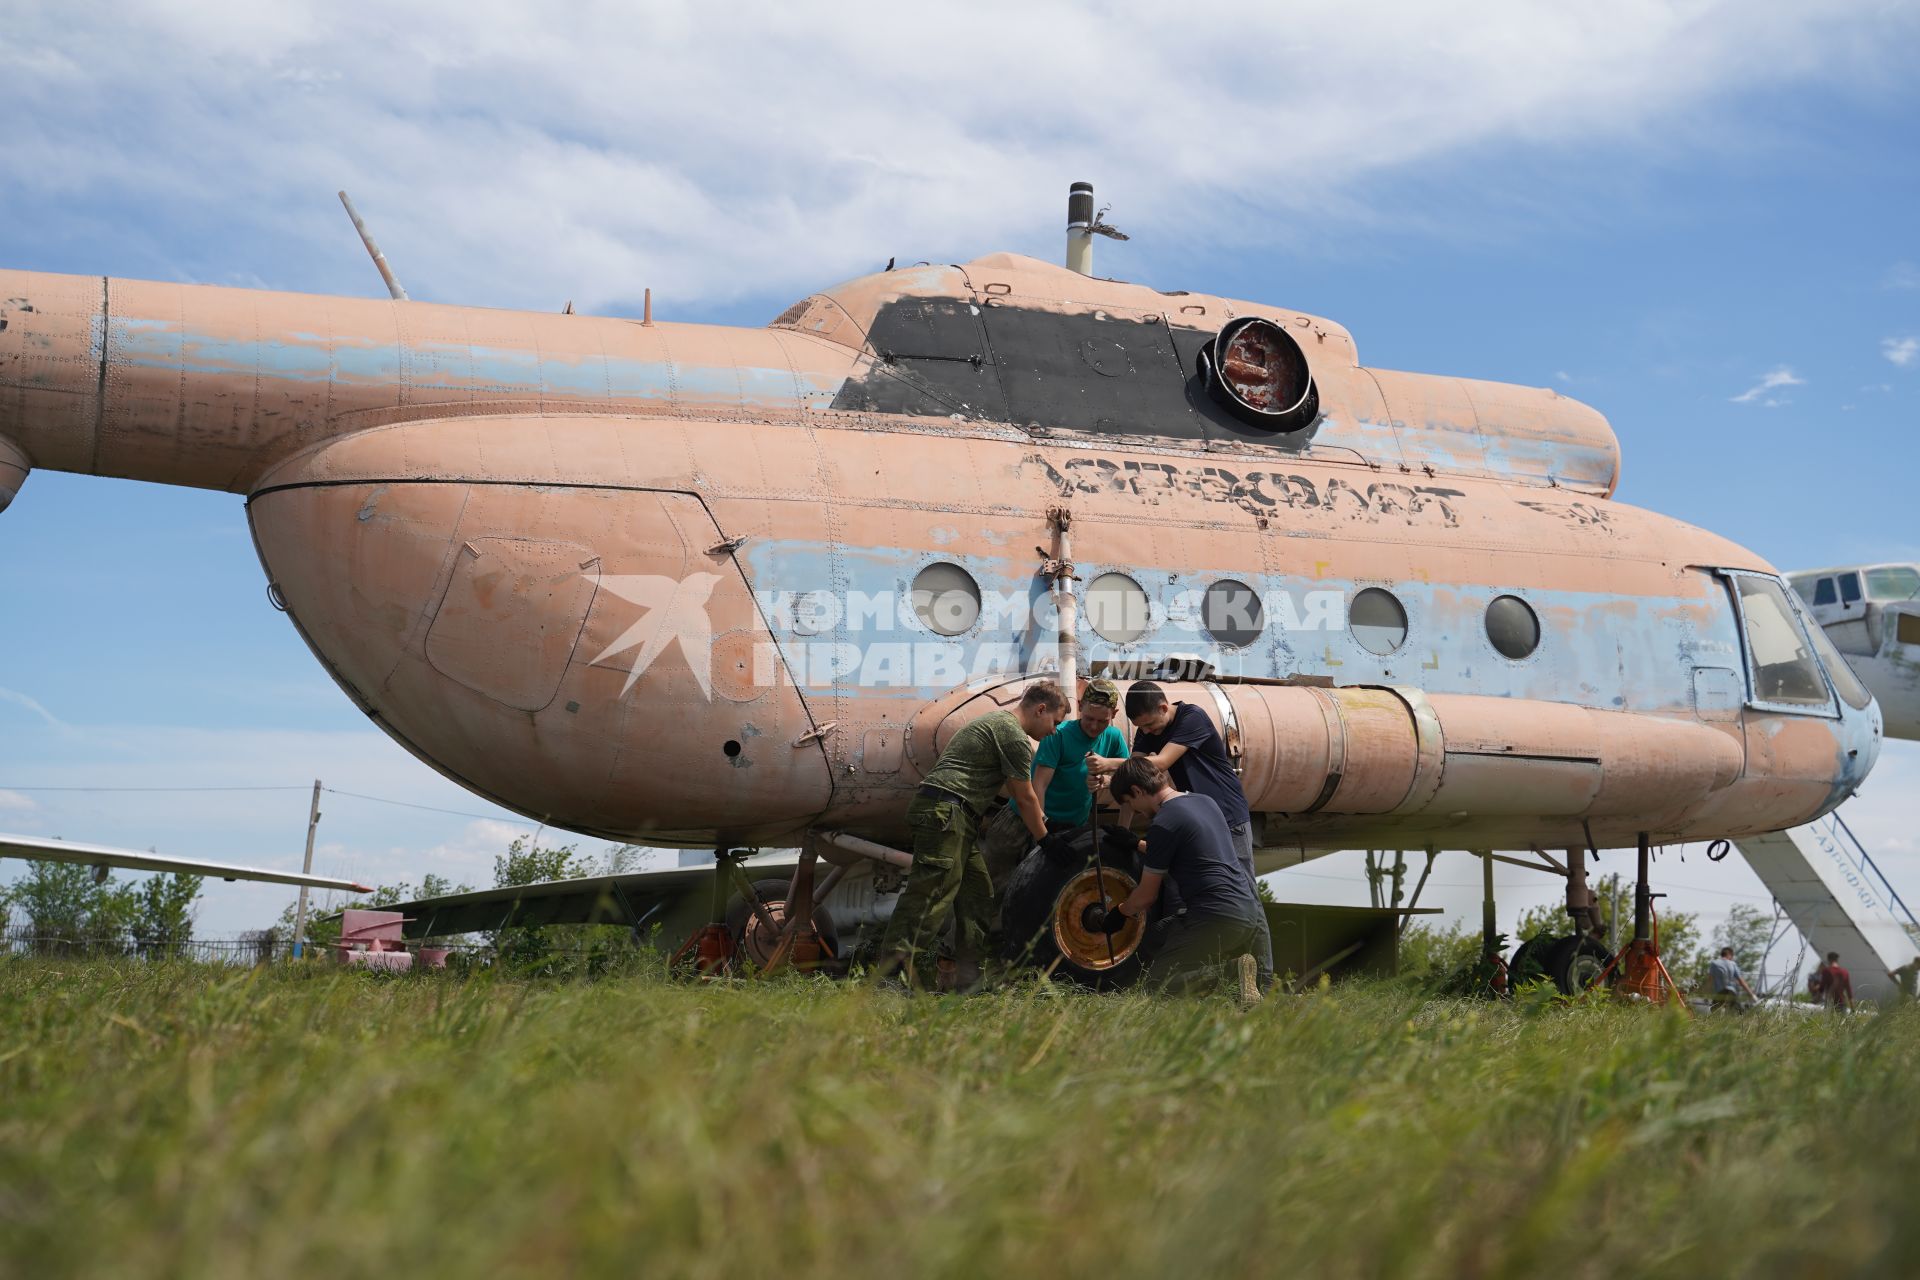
{"x": 306, "y": 868}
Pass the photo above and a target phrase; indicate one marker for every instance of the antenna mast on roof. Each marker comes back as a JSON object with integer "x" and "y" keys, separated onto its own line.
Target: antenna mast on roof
{"x": 379, "y": 258}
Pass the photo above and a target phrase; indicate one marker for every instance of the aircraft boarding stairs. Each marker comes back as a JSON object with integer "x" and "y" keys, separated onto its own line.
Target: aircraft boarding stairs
{"x": 1830, "y": 888}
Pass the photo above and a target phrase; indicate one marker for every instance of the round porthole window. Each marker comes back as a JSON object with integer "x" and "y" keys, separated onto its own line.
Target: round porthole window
{"x": 1512, "y": 627}
{"x": 946, "y": 599}
{"x": 1232, "y": 614}
{"x": 1378, "y": 621}
{"x": 1117, "y": 608}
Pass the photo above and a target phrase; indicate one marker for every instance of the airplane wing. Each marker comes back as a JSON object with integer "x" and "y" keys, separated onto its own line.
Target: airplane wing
{"x": 35, "y": 849}
{"x": 626, "y": 898}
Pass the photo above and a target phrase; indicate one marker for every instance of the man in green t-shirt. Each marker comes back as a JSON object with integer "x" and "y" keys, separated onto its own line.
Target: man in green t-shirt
{"x": 1060, "y": 765}
{"x": 1060, "y": 776}
{"x": 949, "y": 875}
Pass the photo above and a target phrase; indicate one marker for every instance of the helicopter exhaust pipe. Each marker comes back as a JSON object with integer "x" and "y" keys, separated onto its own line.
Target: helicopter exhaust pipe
{"x": 1080, "y": 228}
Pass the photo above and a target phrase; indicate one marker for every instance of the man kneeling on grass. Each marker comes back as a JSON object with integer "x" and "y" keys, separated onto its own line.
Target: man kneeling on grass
{"x": 1188, "y": 840}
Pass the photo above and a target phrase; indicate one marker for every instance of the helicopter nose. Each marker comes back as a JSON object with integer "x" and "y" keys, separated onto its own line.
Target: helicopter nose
{"x": 1862, "y": 731}
{"x": 591, "y": 657}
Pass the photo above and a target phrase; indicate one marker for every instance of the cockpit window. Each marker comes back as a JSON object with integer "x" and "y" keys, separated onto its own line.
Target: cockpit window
{"x": 1780, "y": 661}
{"x": 1845, "y": 683}
{"x": 1849, "y": 588}
{"x": 1897, "y": 583}
{"x": 1823, "y": 592}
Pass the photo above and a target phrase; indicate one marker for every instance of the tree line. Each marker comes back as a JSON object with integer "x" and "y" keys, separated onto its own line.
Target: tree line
{"x": 66, "y": 906}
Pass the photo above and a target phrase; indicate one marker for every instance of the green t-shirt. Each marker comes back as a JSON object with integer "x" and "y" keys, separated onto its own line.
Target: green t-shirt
{"x": 1065, "y": 752}
{"x": 981, "y": 757}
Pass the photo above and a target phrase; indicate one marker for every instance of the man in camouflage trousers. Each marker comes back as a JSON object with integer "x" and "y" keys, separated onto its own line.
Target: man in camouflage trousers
{"x": 949, "y": 876}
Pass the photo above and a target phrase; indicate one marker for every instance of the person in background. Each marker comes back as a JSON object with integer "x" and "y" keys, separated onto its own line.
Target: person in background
{"x": 1724, "y": 975}
{"x": 1180, "y": 738}
{"x": 1836, "y": 984}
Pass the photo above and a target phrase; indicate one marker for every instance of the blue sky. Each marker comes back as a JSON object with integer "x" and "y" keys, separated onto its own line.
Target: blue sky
{"x": 1699, "y": 218}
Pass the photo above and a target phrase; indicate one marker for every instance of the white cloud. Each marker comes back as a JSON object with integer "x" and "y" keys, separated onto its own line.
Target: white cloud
{"x": 1902, "y": 351}
{"x": 13, "y": 803}
{"x": 1902, "y": 275}
{"x": 29, "y": 704}
{"x": 1772, "y": 380}
{"x": 469, "y": 856}
{"x": 505, "y": 157}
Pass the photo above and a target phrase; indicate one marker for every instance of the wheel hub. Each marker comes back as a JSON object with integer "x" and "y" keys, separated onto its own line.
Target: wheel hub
{"x": 1089, "y": 948}
{"x": 759, "y": 941}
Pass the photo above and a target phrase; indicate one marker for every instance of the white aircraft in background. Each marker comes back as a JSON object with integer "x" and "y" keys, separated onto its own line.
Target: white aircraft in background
{"x": 101, "y": 857}
{"x": 1871, "y": 612}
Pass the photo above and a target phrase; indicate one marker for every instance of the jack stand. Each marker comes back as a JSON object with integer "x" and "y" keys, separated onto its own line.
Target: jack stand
{"x": 710, "y": 951}
{"x": 1642, "y": 972}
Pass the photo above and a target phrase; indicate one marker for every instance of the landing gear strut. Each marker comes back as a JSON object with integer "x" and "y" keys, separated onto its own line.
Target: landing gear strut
{"x": 774, "y": 936}
{"x": 1492, "y": 962}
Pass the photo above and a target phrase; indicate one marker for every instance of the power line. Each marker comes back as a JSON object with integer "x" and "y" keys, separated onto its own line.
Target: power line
{"x": 130, "y": 790}
{"x": 408, "y": 804}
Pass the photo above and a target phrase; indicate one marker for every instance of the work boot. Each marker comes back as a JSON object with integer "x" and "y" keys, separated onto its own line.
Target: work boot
{"x": 1249, "y": 972}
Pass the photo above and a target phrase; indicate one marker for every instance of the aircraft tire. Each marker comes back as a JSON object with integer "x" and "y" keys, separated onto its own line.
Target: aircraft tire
{"x": 1575, "y": 963}
{"x": 746, "y": 929}
{"x": 1529, "y": 962}
{"x": 1031, "y": 901}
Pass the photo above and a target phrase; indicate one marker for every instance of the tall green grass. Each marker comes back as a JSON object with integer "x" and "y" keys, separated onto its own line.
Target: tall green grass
{"x": 164, "y": 1120}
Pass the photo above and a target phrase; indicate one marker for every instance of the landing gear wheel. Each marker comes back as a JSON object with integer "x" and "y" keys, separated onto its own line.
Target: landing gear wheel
{"x": 1529, "y": 963}
{"x": 1044, "y": 918}
{"x": 755, "y": 941}
{"x": 1575, "y": 964}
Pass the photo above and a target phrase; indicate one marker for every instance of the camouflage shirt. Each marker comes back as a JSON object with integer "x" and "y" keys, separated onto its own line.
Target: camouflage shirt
{"x": 981, "y": 757}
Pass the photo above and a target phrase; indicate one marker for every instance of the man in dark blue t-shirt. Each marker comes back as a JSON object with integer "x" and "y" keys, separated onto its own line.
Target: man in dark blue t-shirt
{"x": 1181, "y": 739}
{"x": 1187, "y": 840}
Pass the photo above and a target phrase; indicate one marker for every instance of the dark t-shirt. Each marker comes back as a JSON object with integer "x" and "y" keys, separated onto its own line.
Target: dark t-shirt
{"x": 1188, "y": 841}
{"x": 1204, "y": 768}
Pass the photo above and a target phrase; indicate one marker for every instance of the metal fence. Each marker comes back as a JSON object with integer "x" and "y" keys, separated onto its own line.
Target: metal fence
{"x": 265, "y": 947}
{"x": 247, "y": 949}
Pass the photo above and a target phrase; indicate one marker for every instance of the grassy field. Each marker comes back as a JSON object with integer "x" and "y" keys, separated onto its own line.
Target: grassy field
{"x": 184, "y": 1121}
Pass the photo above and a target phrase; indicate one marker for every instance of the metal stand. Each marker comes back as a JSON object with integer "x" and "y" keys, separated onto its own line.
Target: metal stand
{"x": 711, "y": 950}
{"x": 1642, "y": 973}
